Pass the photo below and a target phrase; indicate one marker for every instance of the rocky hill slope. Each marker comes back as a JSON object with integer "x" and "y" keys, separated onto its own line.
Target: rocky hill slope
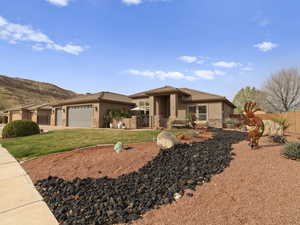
{"x": 17, "y": 91}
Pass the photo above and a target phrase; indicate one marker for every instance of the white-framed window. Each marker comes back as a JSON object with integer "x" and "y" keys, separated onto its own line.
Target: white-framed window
{"x": 200, "y": 111}
{"x": 144, "y": 105}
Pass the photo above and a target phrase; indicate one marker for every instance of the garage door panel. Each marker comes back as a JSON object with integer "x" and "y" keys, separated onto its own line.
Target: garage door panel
{"x": 80, "y": 116}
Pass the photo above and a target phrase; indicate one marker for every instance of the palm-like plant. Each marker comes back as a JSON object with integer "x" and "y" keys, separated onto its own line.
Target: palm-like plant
{"x": 282, "y": 122}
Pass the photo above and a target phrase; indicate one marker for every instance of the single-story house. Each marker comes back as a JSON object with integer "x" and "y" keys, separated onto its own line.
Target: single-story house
{"x": 40, "y": 114}
{"x": 160, "y": 108}
{"x": 88, "y": 110}
{"x": 168, "y": 104}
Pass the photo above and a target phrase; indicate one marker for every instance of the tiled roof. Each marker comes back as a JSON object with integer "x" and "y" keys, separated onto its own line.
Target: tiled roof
{"x": 200, "y": 96}
{"x": 19, "y": 107}
{"x": 190, "y": 95}
{"x": 40, "y": 106}
{"x": 104, "y": 96}
{"x": 29, "y": 107}
{"x": 161, "y": 90}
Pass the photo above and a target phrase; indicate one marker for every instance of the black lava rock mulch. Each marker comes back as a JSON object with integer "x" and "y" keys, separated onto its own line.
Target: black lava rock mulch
{"x": 126, "y": 198}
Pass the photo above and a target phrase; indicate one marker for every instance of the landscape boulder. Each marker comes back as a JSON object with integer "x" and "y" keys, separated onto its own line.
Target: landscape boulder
{"x": 272, "y": 128}
{"x": 167, "y": 140}
{"x": 118, "y": 147}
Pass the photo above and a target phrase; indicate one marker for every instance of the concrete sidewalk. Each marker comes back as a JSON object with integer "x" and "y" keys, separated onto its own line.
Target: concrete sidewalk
{"x": 20, "y": 202}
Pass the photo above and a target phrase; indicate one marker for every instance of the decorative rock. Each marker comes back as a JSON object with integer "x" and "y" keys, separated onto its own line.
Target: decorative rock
{"x": 272, "y": 128}
{"x": 167, "y": 140}
{"x": 118, "y": 147}
{"x": 190, "y": 194}
{"x": 177, "y": 196}
{"x": 180, "y": 136}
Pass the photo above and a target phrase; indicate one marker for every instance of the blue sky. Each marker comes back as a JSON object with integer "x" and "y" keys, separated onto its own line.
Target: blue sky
{"x": 128, "y": 46}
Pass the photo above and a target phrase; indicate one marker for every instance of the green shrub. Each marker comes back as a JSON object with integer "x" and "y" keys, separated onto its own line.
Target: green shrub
{"x": 20, "y": 128}
{"x": 292, "y": 150}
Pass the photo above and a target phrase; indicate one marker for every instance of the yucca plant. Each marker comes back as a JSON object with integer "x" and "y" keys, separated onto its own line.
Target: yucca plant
{"x": 282, "y": 122}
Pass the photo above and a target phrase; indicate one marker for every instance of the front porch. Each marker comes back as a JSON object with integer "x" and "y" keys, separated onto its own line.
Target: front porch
{"x": 163, "y": 110}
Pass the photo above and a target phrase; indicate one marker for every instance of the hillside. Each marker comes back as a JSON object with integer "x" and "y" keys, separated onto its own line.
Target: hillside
{"x": 17, "y": 91}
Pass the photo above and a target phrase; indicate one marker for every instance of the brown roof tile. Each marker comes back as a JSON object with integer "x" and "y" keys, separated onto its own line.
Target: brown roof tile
{"x": 89, "y": 98}
{"x": 191, "y": 95}
{"x": 196, "y": 95}
{"x": 161, "y": 90}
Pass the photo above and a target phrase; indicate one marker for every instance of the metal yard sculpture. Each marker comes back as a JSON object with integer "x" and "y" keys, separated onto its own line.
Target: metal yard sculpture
{"x": 255, "y": 123}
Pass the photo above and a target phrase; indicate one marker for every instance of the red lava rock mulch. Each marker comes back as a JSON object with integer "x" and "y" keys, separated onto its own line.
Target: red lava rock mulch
{"x": 95, "y": 161}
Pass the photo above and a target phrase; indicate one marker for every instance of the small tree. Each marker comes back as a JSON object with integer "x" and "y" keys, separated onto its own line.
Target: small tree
{"x": 116, "y": 114}
{"x": 247, "y": 94}
{"x": 282, "y": 91}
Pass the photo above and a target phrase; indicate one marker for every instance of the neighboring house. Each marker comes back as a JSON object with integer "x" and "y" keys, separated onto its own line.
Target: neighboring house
{"x": 167, "y": 104}
{"x": 40, "y": 114}
{"x": 88, "y": 110}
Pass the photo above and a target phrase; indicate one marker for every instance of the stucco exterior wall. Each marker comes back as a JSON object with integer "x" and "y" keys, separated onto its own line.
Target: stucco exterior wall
{"x": 215, "y": 114}
{"x": 227, "y": 111}
{"x": 16, "y": 115}
{"x": 137, "y": 101}
{"x": 181, "y": 110}
{"x": 53, "y": 118}
{"x": 34, "y": 116}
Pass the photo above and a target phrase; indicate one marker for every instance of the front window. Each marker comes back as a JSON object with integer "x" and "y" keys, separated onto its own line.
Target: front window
{"x": 200, "y": 111}
{"x": 144, "y": 105}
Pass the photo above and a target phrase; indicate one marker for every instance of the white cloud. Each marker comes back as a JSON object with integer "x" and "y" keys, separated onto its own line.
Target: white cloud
{"x": 162, "y": 75}
{"x": 208, "y": 74}
{"x": 188, "y": 59}
{"x": 247, "y": 68}
{"x": 14, "y": 33}
{"x": 132, "y": 2}
{"x": 200, "y": 62}
{"x": 61, "y": 3}
{"x": 226, "y": 64}
{"x": 264, "y": 22}
{"x": 266, "y": 46}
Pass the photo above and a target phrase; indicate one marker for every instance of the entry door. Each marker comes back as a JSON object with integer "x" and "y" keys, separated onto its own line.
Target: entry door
{"x": 58, "y": 117}
{"x": 80, "y": 116}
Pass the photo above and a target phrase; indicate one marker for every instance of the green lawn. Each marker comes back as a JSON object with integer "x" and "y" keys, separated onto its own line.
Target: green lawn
{"x": 65, "y": 140}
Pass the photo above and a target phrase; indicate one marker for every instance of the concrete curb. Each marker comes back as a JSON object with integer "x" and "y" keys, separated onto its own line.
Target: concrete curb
{"x": 20, "y": 201}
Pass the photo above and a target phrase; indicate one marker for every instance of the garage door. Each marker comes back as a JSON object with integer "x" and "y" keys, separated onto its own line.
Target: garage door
{"x": 58, "y": 117}
{"x": 80, "y": 116}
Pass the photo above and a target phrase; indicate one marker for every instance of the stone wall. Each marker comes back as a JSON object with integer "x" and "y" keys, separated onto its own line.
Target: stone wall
{"x": 130, "y": 123}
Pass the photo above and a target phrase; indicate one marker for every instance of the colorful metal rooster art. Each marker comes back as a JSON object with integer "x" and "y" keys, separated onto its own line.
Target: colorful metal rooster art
{"x": 255, "y": 123}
